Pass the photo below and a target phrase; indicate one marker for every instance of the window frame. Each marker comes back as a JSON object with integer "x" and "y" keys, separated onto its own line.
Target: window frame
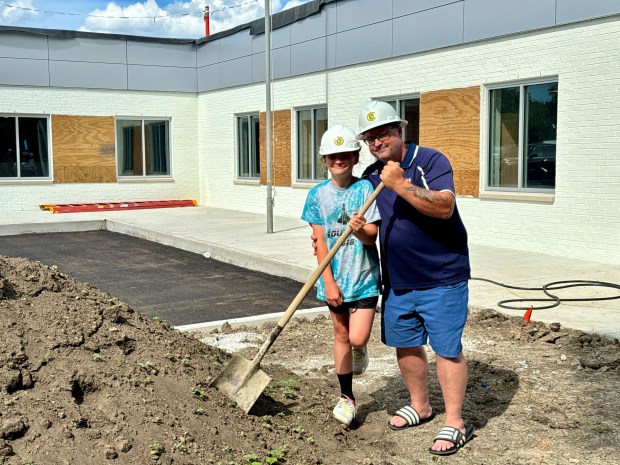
{"x": 522, "y": 147}
{"x": 121, "y": 164}
{"x": 253, "y": 155}
{"x": 315, "y": 144}
{"x": 18, "y": 148}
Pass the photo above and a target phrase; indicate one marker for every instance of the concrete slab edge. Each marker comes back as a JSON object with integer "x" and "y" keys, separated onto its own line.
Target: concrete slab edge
{"x": 55, "y": 227}
{"x": 256, "y": 320}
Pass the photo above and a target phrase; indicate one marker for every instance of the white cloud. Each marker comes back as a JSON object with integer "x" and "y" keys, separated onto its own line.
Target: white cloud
{"x": 12, "y": 15}
{"x": 181, "y": 19}
{"x": 294, "y": 3}
{"x": 177, "y": 19}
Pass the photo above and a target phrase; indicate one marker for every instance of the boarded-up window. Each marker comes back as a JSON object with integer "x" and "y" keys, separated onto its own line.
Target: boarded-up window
{"x": 450, "y": 122}
{"x": 281, "y": 148}
{"x": 83, "y": 149}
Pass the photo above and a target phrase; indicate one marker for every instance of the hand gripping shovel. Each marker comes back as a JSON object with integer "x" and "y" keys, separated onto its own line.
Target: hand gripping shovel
{"x": 243, "y": 380}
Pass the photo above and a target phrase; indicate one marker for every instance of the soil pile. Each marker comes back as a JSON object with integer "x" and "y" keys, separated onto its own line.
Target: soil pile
{"x": 84, "y": 378}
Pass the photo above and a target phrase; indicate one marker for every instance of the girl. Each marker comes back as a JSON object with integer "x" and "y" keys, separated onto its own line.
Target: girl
{"x": 350, "y": 285}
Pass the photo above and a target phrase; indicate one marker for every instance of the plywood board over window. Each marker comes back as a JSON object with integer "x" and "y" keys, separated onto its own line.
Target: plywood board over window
{"x": 450, "y": 122}
{"x": 281, "y": 148}
{"x": 83, "y": 149}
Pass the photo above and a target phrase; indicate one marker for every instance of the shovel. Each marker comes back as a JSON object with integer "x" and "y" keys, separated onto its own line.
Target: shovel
{"x": 243, "y": 380}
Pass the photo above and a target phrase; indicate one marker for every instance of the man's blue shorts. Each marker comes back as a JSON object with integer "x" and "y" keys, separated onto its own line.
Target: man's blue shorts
{"x": 411, "y": 318}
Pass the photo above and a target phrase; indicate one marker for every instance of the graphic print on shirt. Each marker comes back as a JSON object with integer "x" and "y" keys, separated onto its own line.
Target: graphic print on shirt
{"x": 344, "y": 218}
{"x": 337, "y": 223}
{"x": 355, "y": 265}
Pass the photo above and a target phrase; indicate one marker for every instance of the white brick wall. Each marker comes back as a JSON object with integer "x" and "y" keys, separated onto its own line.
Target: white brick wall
{"x": 217, "y": 115}
{"x": 584, "y": 219}
{"x": 181, "y": 108}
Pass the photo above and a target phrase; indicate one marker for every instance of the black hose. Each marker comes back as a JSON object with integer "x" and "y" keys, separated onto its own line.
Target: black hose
{"x": 552, "y": 298}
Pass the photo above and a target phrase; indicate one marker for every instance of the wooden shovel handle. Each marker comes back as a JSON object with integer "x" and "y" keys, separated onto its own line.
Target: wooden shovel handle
{"x": 292, "y": 308}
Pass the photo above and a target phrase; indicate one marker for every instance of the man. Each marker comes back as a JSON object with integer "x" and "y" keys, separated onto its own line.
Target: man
{"x": 425, "y": 262}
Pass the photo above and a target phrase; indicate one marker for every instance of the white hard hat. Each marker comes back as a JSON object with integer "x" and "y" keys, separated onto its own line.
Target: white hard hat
{"x": 377, "y": 113}
{"x": 338, "y": 139}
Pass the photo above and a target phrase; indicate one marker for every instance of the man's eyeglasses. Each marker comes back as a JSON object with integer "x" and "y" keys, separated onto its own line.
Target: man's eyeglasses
{"x": 381, "y": 137}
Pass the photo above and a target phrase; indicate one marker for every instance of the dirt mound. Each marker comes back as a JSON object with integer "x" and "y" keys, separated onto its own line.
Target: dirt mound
{"x": 86, "y": 379}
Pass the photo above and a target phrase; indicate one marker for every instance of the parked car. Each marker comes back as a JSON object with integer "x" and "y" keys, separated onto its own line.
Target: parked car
{"x": 541, "y": 164}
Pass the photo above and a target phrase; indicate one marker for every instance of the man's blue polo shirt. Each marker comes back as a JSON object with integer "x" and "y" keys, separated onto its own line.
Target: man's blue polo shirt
{"x": 417, "y": 251}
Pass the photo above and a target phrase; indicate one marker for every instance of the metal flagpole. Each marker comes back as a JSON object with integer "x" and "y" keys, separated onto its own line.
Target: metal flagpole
{"x": 268, "y": 113}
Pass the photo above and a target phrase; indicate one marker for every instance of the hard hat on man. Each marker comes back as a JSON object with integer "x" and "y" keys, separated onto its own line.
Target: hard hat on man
{"x": 375, "y": 114}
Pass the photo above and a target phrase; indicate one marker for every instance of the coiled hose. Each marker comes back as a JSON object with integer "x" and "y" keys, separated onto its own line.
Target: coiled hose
{"x": 551, "y": 297}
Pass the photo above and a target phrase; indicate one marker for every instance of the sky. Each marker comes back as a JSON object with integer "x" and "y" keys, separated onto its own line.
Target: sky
{"x": 154, "y": 18}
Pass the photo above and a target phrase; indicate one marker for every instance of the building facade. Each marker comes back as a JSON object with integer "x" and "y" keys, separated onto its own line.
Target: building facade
{"x": 523, "y": 98}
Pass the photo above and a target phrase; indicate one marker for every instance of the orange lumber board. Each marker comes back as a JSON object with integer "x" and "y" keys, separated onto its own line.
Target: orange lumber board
{"x": 116, "y": 206}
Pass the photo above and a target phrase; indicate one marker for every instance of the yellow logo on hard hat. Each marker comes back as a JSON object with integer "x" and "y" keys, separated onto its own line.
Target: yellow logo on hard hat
{"x": 371, "y": 116}
{"x": 339, "y": 140}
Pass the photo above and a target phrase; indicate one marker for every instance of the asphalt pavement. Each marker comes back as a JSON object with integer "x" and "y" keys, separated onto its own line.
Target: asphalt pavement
{"x": 181, "y": 287}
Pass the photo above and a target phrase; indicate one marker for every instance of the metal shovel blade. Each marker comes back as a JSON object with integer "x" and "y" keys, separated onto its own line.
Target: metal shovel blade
{"x": 239, "y": 383}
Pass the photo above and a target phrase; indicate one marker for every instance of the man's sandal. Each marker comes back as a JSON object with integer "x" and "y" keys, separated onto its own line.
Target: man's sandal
{"x": 455, "y": 436}
{"x": 411, "y": 416}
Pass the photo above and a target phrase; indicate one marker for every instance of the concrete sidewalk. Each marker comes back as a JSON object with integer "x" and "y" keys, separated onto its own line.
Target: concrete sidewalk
{"x": 241, "y": 239}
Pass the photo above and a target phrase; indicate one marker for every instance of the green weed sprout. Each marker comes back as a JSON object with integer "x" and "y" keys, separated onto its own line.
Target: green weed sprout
{"x": 198, "y": 393}
{"x": 148, "y": 367}
{"x": 275, "y": 455}
{"x": 289, "y": 387}
{"x": 271, "y": 459}
{"x": 46, "y": 358}
{"x": 180, "y": 445}
{"x": 251, "y": 459}
{"x": 156, "y": 448}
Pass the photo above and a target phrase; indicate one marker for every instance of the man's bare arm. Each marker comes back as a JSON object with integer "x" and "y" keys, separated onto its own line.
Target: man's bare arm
{"x": 438, "y": 204}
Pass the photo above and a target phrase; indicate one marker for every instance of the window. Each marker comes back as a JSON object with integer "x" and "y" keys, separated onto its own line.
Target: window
{"x": 522, "y": 136}
{"x": 248, "y": 147}
{"x": 311, "y": 124}
{"x": 23, "y": 147}
{"x": 408, "y": 109}
{"x": 143, "y": 147}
